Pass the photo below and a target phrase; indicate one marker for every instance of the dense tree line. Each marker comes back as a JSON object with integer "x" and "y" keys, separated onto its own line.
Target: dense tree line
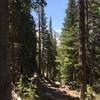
{"x": 28, "y": 46}
{"x": 78, "y": 53}
{"x": 28, "y": 50}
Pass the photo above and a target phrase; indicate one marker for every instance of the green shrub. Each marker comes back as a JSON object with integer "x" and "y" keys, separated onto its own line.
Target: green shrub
{"x": 26, "y": 88}
{"x": 90, "y": 93}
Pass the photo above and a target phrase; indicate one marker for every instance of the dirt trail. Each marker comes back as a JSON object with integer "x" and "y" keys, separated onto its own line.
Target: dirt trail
{"x": 49, "y": 92}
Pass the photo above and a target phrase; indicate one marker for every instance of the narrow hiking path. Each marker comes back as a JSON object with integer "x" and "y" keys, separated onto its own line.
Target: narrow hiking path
{"x": 47, "y": 91}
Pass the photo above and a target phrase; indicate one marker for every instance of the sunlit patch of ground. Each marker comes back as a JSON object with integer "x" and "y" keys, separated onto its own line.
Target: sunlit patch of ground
{"x": 68, "y": 91}
{"x": 97, "y": 97}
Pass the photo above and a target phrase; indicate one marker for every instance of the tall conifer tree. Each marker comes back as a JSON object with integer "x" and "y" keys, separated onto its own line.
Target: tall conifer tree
{"x": 69, "y": 45}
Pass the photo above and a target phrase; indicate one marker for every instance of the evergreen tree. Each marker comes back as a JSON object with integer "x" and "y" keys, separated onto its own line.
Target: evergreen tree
{"x": 39, "y": 7}
{"x": 44, "y": 36}
{"x": 23, "y": 44}
{"x": 51, "y": 56}
{"x": 68, "y": 51}
{"x": 52, "y": 51}
{"x": 92, "y": 45}
{"x": 23, "y": 36}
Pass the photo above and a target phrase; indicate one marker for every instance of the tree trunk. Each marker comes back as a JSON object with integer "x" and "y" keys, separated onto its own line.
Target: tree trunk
{"x": 39, "y": 30}
{"x": 5, "y": 80}
{"x": 82, "y": 49}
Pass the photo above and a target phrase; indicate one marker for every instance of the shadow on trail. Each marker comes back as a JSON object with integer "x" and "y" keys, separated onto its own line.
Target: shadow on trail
{"x": 46, "y": 92}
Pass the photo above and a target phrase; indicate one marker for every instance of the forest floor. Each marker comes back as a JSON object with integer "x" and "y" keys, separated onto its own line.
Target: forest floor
{"x": 97, "y": 97}
{"x": 47, "y": 91}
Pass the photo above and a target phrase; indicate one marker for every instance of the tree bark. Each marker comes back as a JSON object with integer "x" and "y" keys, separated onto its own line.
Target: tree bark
{"x": 5, "y": 79}
{"x": 82, "y": 37}
{"x": 40, "y": 35}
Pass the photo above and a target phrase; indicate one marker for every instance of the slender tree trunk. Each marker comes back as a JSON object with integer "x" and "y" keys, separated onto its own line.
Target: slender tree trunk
{"x": 40, "y": 39}
{"x": 5, "y": 80}
{"x": 39, "y": 30}
{"x": 82, "y": 49}
{"x": 87, "y": 42}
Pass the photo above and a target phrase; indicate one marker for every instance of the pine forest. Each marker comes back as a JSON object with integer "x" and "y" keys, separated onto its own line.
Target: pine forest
{"x": 39, "y": 63}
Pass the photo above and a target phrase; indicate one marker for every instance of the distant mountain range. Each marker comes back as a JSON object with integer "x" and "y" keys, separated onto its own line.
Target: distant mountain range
{"x": 57, "y": 36}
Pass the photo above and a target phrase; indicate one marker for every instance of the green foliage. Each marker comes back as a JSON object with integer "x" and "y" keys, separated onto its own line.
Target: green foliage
{"x": 90, "y": 93}
{"x": 93, "y": 49}
{"x": 68, "y": 51}
{"x": 29, "y": 47}
{"x": 26, "y": 88}
{"x": 24, "y": 47}
{"x": 51, "y": 53}
{"x": 23, "y": 39}
{"x": 23, "y": 32}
